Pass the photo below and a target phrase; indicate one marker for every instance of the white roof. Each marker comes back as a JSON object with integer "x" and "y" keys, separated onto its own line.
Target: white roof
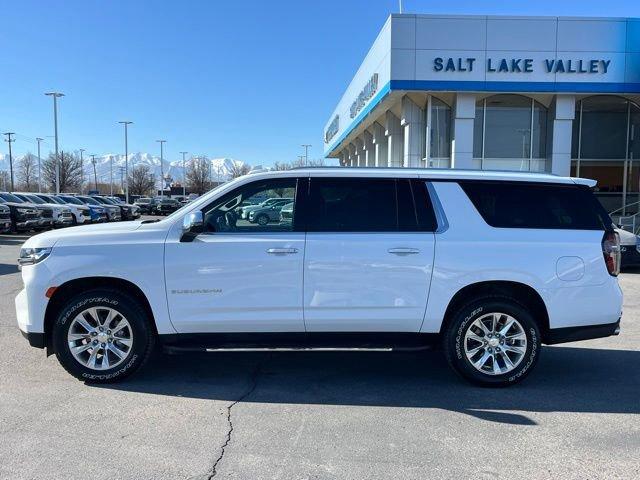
{"x": 429, "y": 173}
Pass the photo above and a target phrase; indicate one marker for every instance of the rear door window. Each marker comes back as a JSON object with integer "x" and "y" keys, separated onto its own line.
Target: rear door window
{"x": 536, "y": 205}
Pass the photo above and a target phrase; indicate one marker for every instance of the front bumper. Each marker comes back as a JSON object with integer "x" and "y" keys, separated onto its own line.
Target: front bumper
{"x": 35, "y": 339}
{"x": 23, "y": 225}
{"x": 63, "y": 221}
{"x": 45, "y": 223}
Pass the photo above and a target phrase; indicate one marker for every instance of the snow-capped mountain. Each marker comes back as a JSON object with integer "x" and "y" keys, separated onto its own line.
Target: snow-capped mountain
{"x": 220, "y": 167}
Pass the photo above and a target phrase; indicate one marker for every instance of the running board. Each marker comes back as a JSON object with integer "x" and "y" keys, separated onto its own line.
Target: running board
{"x": 171, "y": 349}
{"x": 298, "y": 342}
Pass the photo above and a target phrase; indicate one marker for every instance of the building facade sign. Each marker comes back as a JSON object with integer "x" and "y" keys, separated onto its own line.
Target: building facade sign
{"x": 367, "y": 92}
{"x": 332, "y": 129}
{"x": 523, "y": 65}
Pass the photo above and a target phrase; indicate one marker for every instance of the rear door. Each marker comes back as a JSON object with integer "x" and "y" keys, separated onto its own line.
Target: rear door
{"x": 369, "y": 258}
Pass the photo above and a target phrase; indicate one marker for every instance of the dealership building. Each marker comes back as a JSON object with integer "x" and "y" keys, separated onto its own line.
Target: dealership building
{"x": 539, "y": 94}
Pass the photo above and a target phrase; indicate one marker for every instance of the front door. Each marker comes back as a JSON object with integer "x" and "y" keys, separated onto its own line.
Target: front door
{"x": 239, "y": 275}
{"x": 369, "y": 257}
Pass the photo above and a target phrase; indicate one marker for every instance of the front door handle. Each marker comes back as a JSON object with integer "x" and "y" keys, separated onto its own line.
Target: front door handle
{"x": 282, "y": 251}
{"x": 403, "y": 251}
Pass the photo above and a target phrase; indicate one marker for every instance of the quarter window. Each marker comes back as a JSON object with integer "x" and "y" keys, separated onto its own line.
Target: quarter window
{"x": 264, "y": 206}
{"x": 543, "y": 206}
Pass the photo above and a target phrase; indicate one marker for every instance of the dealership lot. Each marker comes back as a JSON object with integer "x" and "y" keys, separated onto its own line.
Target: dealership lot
{"x": 320, "y": 415}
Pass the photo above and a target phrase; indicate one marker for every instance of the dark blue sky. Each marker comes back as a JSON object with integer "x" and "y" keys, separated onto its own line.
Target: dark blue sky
{"x": 247, "y": 79}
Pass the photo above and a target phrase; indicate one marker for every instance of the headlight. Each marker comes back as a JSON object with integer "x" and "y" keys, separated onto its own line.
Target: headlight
{"x": 31, "y": 256}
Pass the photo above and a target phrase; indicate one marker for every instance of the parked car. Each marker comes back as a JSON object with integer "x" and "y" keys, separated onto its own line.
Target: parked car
{"x": 490, "y": 265}
{"x": 5, "y": 218}
{"x": 112, "y": 211}
{"x": 79, "y": 213}
{"x": 246, "y": 210}
{"x": 127, "y": 211}
{"x": 143, "y": 205}
{"x": 286, "y": 214}
{"x": 45, "y": 217}
{"x": 268, "y": 213}
{"x": 630, "y": 248}
{"x": 23, "y": 217}
{"x": 61, "y": 215}
{"x": 165, "y": 206}
{"x": 97, "y": 213}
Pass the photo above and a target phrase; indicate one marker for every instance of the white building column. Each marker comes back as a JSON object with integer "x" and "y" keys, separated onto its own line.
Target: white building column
{"x": 353, "y": 159}
{"x": 344, "y": 158}
{"x": 359, "y": 151}
{"x": 380, "y": 144}
{"x": 393, "y": 131}
{"x": 563, "y": 110}
{"x": 369, "y": 149}
{"x": 462, "y": 134}
{"x": 412, "y": 122}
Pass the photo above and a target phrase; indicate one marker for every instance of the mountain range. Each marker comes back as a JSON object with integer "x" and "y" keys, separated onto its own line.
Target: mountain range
{"x": 220, "y": 167}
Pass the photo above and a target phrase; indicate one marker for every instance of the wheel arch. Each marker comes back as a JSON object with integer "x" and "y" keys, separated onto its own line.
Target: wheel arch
{"x": 78, "y": 285}
{"x": 521, "y": 292}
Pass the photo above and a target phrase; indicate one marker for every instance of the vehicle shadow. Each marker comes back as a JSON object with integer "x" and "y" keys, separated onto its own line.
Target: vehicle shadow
{"x": 566, "y": 379}
{"x": 8, "y": 268}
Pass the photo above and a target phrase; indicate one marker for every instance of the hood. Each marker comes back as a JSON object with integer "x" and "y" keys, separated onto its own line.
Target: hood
{"x": 86, "y": 233}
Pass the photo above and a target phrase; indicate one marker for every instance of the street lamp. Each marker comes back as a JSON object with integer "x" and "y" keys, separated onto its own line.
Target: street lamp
{"x": 9, "y": 140}
{"x": 38, "y": 139}
{"x": 82, "y": 150}
{"x": 55, "y": 96}
{"x": 161, "y": 142}
{"x": 184, "y": 176}
{"x": 126, "y": 123}
{"x": 306, "y": 153}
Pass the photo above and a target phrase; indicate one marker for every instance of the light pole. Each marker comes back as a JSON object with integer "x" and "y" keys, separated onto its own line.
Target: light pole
{"x": 126, "y": 123}
{"x": 95, "y": 175}
{"x": 55, "y": 96}
{"x": 9, "y": 140}
{"x": 306, "y": 153}
{"x": 110, "y": 175}
{"x": 161, "y": 142}
{"x": 82, "y": 150}
{"x": 184, "y": 176}
{"x": 38, "y": 139}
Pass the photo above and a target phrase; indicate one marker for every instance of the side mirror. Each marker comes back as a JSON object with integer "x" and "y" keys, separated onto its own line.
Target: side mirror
{"x": 191, "y": 226}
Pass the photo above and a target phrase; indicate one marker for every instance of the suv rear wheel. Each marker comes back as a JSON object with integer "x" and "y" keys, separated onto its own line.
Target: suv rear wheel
{"x": 102, "y": 336}
{"x": 492, "y": 341}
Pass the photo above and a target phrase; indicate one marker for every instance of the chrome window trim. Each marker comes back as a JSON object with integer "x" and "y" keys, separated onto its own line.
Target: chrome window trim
{"x": 441, "y": 217}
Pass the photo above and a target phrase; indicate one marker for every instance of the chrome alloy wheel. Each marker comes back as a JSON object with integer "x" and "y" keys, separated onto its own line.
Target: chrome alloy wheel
{"x": 100, "y": 338}
{"x": 495, "y": 343}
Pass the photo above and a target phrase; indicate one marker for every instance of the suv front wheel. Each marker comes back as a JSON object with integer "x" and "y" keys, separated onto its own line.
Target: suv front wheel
{"x": 492, "y": 341}
{"x": 102, "y": 336}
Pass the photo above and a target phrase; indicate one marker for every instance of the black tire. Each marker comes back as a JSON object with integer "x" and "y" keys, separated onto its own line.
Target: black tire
{"x": 143, "y": 337}
{"x": 74, "y": 220}
{"x": 463, "y": 318}
{"x": 262, "y": 220}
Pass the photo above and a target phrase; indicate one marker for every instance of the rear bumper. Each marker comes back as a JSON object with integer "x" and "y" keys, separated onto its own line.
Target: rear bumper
{"x": 587, "y": 332}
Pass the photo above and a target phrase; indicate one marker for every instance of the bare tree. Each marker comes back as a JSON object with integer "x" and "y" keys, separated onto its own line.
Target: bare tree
{"x": 70, "y": 172}
{"x": 4, "y": 179}
{"x": 141, "y": 180}
{"x": 198, "y": 175}
{"x": 281, "y": 166}
{"x": 27, "y": 172}
{"x": 238, "y": 169}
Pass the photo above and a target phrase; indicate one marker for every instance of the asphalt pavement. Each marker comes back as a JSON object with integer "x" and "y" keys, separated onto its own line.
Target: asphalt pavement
{"x": 320, "y": 415}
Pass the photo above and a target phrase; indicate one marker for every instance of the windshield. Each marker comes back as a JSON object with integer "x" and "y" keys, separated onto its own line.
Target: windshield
{"x": 11, "y": 198}
{"x": 143, "y": 200}
{"x": 90, "y": 201}
{"x": 73, "y": 200}
{"x": 51, "y": 199}
{"x": 32, "y": 199}
{"x": 102, "y": 200}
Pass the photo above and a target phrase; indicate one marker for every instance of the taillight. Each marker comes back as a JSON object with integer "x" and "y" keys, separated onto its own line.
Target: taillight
{"x": 611, "y": 252}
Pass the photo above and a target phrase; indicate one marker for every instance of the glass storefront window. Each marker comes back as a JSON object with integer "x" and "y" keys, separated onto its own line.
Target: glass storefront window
{"x": 510, "y": 133}
{"x": 440, "y": 129}
{"x": 606, "y": 147}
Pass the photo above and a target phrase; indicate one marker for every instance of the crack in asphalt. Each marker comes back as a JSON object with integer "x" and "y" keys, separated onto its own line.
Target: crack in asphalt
{"x": 252, "y": 386}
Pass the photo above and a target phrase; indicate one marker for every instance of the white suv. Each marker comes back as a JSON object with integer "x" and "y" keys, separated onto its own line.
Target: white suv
{"x": 490, "y": 265}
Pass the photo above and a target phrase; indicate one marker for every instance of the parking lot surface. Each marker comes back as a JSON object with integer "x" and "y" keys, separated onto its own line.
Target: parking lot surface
{"x": 320, "y": 415}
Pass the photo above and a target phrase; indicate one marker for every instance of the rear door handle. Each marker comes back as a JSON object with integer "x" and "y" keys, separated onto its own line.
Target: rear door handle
{"x": 403, "y": 251}
{"x": 282, "y": 251}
